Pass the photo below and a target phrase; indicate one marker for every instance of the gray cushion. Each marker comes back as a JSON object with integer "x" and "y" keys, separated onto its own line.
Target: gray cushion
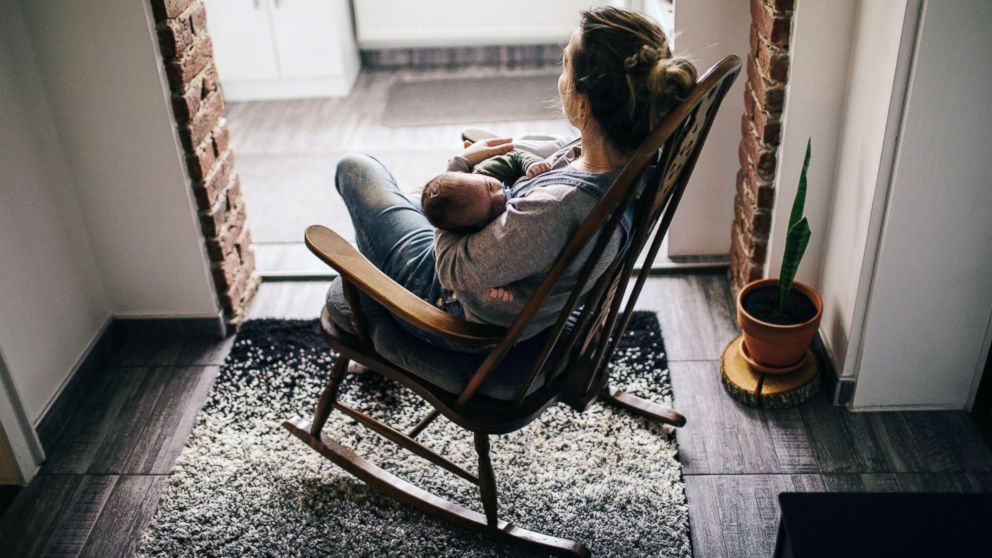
{"x": 446, "y": 369}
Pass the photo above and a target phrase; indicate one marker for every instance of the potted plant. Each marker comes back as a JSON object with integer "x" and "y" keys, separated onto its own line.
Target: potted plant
{"x": 780, "y": 316}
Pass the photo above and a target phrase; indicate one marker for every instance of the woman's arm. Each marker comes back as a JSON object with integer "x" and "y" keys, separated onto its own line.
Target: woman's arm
{"x": 522, "y": 242}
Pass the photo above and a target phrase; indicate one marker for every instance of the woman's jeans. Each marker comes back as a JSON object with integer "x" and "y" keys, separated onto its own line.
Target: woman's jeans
{"x": 395, "y": 236}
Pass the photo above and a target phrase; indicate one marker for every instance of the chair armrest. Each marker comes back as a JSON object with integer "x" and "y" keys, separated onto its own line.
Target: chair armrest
{"x": 360, "y": 272}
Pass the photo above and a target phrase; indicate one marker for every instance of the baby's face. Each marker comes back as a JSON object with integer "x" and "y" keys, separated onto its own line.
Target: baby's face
{"x": 485, "y": 199}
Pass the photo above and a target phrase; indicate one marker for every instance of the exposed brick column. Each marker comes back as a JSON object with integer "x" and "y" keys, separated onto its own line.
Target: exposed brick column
{"x": 761, "y": 129}
{"x": 198, "y": 107}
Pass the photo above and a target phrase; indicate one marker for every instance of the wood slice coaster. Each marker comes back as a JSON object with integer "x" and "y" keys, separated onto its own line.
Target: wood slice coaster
{"x": 768, "y": 391}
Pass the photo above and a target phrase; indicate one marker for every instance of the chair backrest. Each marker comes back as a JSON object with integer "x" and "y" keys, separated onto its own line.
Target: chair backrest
{"x": 652, "y": 183}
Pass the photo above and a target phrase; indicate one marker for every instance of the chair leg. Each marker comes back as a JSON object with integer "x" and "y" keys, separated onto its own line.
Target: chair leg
{"x": 642, "y": 407}
{"x": 487, "y": 479}
{"x": 329, "y": 396}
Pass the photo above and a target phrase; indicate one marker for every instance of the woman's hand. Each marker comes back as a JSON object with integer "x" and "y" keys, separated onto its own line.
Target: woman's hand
{"x": 481, "y": 150}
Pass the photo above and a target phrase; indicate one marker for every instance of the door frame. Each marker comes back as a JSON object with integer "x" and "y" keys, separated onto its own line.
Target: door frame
{"x": 22, "y": 441}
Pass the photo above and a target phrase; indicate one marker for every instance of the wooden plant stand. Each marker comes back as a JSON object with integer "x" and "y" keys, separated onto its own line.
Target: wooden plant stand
{"x": 767, "y": 391}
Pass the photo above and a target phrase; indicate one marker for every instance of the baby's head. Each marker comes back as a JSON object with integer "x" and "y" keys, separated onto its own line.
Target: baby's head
{"x": 462, "y": 202}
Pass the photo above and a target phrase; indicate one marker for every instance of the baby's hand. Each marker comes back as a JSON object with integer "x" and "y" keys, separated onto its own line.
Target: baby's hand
{"x": 538, "y": 168}
{"x": 501, "y": 294}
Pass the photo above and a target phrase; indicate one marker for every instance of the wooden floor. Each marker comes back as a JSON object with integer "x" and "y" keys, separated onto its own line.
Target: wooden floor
{"x": 105, "y": 472}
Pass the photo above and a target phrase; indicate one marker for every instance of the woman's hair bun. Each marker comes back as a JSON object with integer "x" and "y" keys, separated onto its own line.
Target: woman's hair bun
{"x": 672, "y": 78}
{"x": 643, "y": 60}
{"x": 658, "y": 81}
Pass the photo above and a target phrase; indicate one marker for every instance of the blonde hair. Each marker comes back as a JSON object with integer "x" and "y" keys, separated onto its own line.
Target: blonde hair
{"x": 625, "y": 68}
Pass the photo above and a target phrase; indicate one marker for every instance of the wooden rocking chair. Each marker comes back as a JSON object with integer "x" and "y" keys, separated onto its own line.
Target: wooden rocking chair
{"x": 567, "y": 362}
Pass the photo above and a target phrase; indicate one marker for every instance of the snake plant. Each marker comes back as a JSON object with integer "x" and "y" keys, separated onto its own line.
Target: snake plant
{"x": 796, "y": 238}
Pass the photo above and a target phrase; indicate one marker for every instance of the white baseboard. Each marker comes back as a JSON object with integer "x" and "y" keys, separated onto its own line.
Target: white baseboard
{"x": 273, "y": 89}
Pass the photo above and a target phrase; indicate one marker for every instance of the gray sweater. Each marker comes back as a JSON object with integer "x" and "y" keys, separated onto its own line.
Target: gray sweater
{"x": 518, "y": 248}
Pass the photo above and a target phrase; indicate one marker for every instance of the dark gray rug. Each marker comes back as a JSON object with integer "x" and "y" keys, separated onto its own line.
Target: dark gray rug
{"x": 243, "y": 486}
{"x": 472, "y": 100}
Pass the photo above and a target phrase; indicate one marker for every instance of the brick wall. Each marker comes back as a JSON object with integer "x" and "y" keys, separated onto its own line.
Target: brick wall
{"x": 198, "y": 107}
{"x": 761, "y": 129}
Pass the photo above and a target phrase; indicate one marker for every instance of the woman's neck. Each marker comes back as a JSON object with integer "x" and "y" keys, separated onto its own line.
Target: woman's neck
{"x": 597, "y": 154}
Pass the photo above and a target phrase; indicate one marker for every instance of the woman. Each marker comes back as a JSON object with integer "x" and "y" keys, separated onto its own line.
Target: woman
{"x": 618, "y": 81}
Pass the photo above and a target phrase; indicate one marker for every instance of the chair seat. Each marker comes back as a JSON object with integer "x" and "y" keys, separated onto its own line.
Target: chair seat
{"x": 443, "y": 368}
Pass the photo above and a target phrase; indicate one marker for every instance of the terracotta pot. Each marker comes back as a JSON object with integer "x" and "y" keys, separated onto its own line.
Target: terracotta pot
{"x": 774, "y": 345}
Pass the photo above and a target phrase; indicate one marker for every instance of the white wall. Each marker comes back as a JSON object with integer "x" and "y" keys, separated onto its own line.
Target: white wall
{"x": 874, "y": 56}
{"x": 822, "y": 35}
{"x": 101, "y": 67}
{"x": 52, "y": 302}
{"x": 899, "y": 201}
{"x": 925, "y": 334}
{"x": 706, "y": 31}
{"x": 96, "y": 215}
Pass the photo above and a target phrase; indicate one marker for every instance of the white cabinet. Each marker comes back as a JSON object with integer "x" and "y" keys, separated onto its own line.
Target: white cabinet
{"x": 454, "y": 23}
{"x": 280, "y": 49}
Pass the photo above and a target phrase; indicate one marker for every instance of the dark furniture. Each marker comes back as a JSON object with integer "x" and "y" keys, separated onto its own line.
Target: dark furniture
{"x": 879, "y": 525}
{"x": 568, "y": 365}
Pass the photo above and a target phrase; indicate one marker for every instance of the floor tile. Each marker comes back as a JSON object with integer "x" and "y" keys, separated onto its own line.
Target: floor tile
{"x": 737, "y": 515}
{"x": 134, "y": 421}
{"x": 722, "y": 436}
{"x": 696, "y": 314}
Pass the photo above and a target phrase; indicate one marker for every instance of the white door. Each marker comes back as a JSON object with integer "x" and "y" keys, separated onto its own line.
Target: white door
{"x": 242, "y": 39}
{"x": 928, "y": 320}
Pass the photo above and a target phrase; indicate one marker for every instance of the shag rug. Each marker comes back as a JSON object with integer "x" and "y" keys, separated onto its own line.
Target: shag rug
{"x": 464, "y": 100}
{"x": 244, "y": 486}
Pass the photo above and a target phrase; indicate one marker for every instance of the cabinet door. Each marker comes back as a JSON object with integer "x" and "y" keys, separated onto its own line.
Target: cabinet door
{"x": 242, "y": 38}
{"x": 312, "y": 37}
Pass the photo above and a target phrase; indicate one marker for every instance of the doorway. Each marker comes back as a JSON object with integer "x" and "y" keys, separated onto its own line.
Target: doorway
{"x": 290, "y": 123}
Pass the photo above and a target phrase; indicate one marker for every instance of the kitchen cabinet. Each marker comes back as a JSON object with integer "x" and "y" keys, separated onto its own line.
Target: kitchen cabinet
{"x": 279, "y": 49}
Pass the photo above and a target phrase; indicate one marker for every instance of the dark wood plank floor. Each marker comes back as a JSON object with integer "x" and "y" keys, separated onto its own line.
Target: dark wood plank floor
{"x": 106, "y": 470}
{"x": 737, "y": 459}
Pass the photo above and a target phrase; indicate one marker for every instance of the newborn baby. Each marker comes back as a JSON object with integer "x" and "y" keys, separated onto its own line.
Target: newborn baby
{"x": 466, "y": 202}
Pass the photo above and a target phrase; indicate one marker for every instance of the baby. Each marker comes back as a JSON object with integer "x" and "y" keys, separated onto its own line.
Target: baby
{"x": 466, "y": 202}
